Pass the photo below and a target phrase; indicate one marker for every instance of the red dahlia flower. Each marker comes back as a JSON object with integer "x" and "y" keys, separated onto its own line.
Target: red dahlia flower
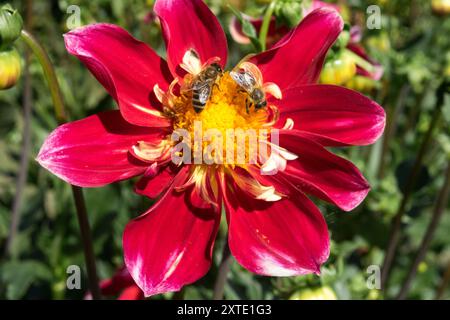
{"x": 274, "y": 229}
{"x": 120, "y": 285}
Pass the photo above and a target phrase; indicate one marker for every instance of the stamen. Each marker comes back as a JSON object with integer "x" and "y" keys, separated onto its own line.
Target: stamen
{"x": 253, "y": 187}
{"x": 273, "y": 89}
{"x": 289, "y": 124}
{"x": 191, "y": 62}
{"x": 152, "y": 152}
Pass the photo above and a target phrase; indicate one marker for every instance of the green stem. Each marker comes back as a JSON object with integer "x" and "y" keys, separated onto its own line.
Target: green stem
{"x": 223, "y": 271}
{"x": 361, "y": 62}
{"x": 438, "y": 212}
{"x": 61, "y": 117}
{"x": 395, "y": 233}
{"x": 444, "y": 284}
{"x": 266, "y": 24}
{"x": 49, "y": 73}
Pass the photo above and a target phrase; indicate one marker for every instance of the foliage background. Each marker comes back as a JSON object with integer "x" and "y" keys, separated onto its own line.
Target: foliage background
{"x": 413, "y": 46}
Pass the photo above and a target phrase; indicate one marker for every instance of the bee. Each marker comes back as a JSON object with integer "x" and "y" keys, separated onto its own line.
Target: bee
{"x": 249, "y": 78}
{"x": 202, "y": 85}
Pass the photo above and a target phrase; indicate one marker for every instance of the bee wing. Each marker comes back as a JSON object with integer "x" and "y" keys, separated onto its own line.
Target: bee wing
{"x": 204, "y": 92}
{"x": 254, "y": 71}
{"x": 243, "y": 79}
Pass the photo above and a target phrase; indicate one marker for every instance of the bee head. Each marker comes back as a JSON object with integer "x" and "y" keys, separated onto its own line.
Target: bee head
{"x": 213, "y": 70}
{"x": 261, "y": 105}
{"x": 258, "y": 95}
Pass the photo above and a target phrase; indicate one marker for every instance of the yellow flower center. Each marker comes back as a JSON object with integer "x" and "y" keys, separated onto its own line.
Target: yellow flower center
{"x": 224, "y": 117}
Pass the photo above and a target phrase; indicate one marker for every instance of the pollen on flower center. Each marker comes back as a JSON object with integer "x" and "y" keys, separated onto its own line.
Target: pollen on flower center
{"x": 226, "y": 109}
{"x": 225, "y": 113}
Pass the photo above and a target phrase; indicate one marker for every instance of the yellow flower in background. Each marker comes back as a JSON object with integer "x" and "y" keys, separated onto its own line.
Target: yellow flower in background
{"x": 441, "y": 7}
{"x": 323, "y": 293}
{"x": 9, "y": 68}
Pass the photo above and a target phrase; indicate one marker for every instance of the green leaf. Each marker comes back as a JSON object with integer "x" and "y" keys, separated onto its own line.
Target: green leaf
{"x": 19, "y": 276}
{"x": 247, "y": 28}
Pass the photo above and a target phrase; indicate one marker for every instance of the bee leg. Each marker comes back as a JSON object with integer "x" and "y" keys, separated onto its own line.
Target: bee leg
{"x": 215, "y": 85}
{"x": 247, "y": 106}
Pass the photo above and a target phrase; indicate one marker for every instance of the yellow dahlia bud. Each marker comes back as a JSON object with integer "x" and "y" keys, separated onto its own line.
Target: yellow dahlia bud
{"x": 9, "y": 68}
{"x": 441, "y": 7}
{"x": 380, "y": 43}
{"x": 361, "y": 84}
{"x": 338, "y": 71}
{"x": 10, "y": 26}
{"x": 323, "y": 293}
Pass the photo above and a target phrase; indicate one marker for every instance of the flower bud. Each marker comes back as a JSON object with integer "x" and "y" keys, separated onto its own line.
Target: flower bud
{"x": 441, "y": 7}
{"x": 9, "y": 68}
{"x": 361, "y": 84}
{"x": 338, "y": 70}
{"x": 323, "y": 293}
{"x": 11, "y": 24}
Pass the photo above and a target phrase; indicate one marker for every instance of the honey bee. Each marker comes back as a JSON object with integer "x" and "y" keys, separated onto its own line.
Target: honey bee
{"x": 202, "y": 85}
{"x": 249, "y": 78}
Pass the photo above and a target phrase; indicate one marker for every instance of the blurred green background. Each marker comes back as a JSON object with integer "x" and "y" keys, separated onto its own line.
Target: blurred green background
{"x": 413, "y": 46}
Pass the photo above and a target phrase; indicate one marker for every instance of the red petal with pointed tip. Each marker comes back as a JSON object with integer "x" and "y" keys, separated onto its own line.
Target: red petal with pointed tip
{"x": 321, "y": 173}
{"x": 283, "y": 238}
{"x": 298, "y": 58}
{"x": 94, "y": 151}
{"x": 170, "y": 246}
{"x": 155, "y": 181}
{"x": 189, "y": 24}
{"x": 126, "y": 67}
{"x": 332, "y": 115}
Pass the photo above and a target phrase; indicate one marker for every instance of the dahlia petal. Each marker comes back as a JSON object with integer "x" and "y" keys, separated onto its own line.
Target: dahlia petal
{"x": 332, "y": 115}
{"x": 121, "y": 284}
{"x": 282, "y": 238}
{"x": 189, "y": 24}
{"x": 298, "y": 58}
{"x": 377, "y": 69}
{"x": 155, "y": 180}
{"x": 321, "y": 173}
{"x": 170, "y": 246}
{"x": 94, "y": 151}
{"x": 126, "y": 67}
{"x": 131, "y": 293}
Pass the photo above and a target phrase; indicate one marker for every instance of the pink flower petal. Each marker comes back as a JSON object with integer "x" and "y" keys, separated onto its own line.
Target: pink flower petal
{"x": 131, "y": 293}
{"x": 378, "y": 70}
{"x": 321, "y": 173}
{"x": 298, "y": 58}
{"x": 95, "y": 151}
{"x": 126, "y": 67}
{"x": 283, "y": 238}
{"x": 332, "y": 115}
{"x": 170, "y": 246}
{"x": 155, "y": 181}
{"x": 189, "y": 24}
